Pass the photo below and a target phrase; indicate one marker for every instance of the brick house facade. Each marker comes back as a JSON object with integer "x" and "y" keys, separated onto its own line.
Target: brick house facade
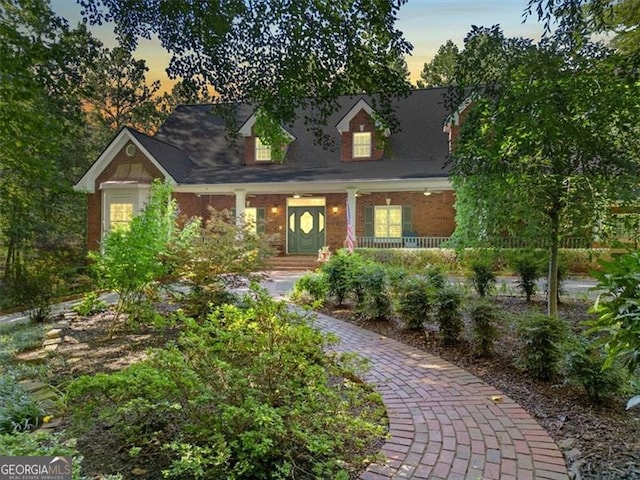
{"x": 394, "y": 183}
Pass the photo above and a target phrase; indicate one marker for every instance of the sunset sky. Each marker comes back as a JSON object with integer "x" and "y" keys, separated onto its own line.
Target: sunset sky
{"x": 427, "y": 24}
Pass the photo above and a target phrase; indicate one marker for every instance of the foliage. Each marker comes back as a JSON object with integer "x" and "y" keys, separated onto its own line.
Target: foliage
{"x": 583, "y": 364}
{"x": 482, "y": 278}
{"x": 370, "y": 283}
{"x": 447, "y": 313}
{"x": 538, "y": 142}
{"x": 271, "y": 133}
{"x": 339, "y": 271}
{"x": 211, "y": 260}
{"x": 91, "y": 304}
{"x": 260, "y": 52}
{"x": 618, "y": 309}
{"x": 311, "y": 286}
{"x": 16, "y": 338}
{"x": 18, "y": 411}
{"x": 439, "y": 72}
{"x": 528, "y": 268}
{"x": 541, "y": 337}
{"x": 248, "y": 393}
{"x": 435, "y": 276}
{"x": 42, "y": 142}
{"x": 130, "y": 262}
{"x": 414, "y": 302}
{"x": 42, "y": 444}
{"x": 484, "y": 317}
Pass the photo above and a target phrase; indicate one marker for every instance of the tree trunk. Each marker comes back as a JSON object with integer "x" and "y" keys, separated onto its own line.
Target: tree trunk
{"x": 552, "y": 281}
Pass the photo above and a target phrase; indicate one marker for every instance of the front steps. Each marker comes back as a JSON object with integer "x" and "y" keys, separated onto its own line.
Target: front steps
{"x": 294, "y": 263}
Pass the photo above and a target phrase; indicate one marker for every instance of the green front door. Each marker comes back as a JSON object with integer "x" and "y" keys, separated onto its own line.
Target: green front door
{"x": 306, "y": 230}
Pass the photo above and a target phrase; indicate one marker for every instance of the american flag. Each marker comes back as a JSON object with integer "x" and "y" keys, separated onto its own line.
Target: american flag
{"x": 351, "y": 238}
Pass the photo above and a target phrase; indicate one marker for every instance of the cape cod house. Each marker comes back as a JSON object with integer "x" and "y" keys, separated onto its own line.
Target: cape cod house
{"x": 399, "y": 196}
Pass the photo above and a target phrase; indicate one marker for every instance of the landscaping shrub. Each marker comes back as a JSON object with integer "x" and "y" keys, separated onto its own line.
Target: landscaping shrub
{"x": 583, "y": 365}
{"x": 482, "y": 278}
{"x": 414, "y": 302}
{"x": 484, "y": 317}
{"x": 18, "y": 411}
{"x": 435, "y": 277}
{"x": 91, "y": 304}
{"x": 44, "y": 444}
{"x": 541, "y": 337}
{"x": 312, "y": 288}
{"x": 370, "y": 284}
{"x": 249, "y": 393}
{"x": 447, "y": 313}
{"x": 529, "y": 271}
{"x": 340, "y": 271}
{"x": 16, "y": 338}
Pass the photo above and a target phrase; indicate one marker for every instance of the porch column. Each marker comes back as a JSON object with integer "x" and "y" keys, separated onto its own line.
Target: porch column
{"x": 351, "y": 205}
{"x": 241, "y": 198}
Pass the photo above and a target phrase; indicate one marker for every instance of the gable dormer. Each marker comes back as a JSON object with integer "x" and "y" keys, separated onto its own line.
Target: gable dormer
{"x": 362, "y": 137}
{"x": 256, "y": 151}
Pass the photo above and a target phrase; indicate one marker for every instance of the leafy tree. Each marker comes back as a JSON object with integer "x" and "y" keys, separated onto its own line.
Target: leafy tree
{"x": 279, "y": 55}
{"x": 131, "y": 262}
{"x": 41, "y": 135}
{"x": 118, "y": 94}
{"x": 547, "y": 147}
{"x": 439, "y": 72}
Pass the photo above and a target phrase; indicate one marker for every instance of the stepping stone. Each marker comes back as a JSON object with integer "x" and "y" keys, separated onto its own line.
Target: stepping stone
{"x": 51, "y": 348}
{"x": 52, "y": 341}
{"x": 55, "y": 333}
{"x": 32, "y": 385}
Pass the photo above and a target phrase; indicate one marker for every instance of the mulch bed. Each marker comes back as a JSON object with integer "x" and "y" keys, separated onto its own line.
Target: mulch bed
{"x": 599, "y": 441}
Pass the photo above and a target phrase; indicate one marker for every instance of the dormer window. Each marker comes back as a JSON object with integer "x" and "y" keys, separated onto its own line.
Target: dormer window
{"x": 263, "y": 151}
{"x": 361, "y": 145}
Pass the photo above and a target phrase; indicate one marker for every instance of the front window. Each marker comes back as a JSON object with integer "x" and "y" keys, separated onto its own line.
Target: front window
{"x": 263, "y": 151}
{"x": 362, "y": 144}
{"x": 388, "y": 221}
{"x": 120, "y": 214}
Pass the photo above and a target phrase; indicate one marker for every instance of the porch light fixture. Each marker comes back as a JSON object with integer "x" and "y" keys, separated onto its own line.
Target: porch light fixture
{"x": 426, "y": 192}
{"x": 274, "y": 209}
{"x": 388, "y": 201}
{"x": 296, "y": 195}
{"x": 334, "y": 210}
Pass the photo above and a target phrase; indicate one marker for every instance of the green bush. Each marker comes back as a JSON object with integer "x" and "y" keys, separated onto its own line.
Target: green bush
{"x": 414, "y": 302}
{"x": 583, "y": 365}
{"x": 528, "y": 268}
{"x": 484, "y": 317}
{"x": 19, "y": 412}
{"x": 341, "y": 274}
{"x": 312, "y": 288}
{"x": 16, "y": 338}
{"x": 482, "y": 278}
{"x": 42, "y": 444}
{"x": 447, "y": 313}
{"x": 618, "y": 309}
{"x": 370, "y": 285}
{"x": 248, "y": 393}
{"x": 91, "y": 304}
{"x": 541, "y": 338}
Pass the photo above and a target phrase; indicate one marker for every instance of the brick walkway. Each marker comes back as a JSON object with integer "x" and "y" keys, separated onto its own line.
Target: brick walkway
{"x": 444, "y": 422}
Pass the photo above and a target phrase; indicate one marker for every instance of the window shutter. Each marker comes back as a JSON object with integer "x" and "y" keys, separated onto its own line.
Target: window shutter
{"x": 233, "y": 214}
{"x": 368, "y": 221}
{"x": 260, "y": 220}
{"x": 407, "y": 221}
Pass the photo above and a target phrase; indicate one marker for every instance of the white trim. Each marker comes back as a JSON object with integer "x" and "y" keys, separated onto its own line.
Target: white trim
{"x": 321, "y": 187}
{"x": 343, "y": 124}
{"x": 88, "y": 180}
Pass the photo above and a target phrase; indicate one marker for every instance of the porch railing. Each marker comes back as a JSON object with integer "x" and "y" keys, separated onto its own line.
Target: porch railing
{"x": 442, "y": 242}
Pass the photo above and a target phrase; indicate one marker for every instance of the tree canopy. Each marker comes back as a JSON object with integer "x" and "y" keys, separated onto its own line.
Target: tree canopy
{"x": 440, "y": 70}
{"x": 547, "y": 146}
{"x": 280, "y": 55}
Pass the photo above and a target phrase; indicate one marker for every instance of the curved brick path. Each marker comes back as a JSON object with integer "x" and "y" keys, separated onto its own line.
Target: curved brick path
{"x": 443, "y": 423}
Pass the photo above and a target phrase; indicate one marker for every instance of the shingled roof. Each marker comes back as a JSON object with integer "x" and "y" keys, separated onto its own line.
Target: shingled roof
{"x": 193, "y": 145}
